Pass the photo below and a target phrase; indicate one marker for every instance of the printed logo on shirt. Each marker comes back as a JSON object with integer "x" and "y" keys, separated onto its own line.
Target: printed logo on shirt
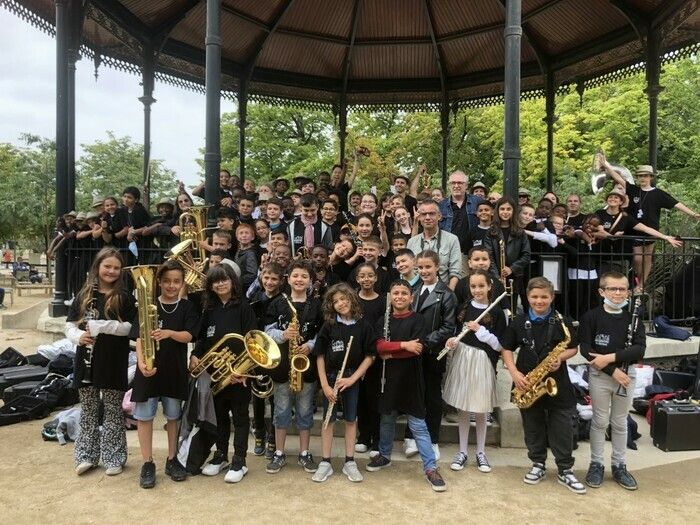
{"x": 298, "y": 239}
{"x": 636, "y": 200}
{"x": 639, "y": 214}
{"x": 160, "y": 324}
{"x": 211, "y": 330}
{"x": 607, "y": 225}
{"x": 602, "y": 340}
{"x": 337, "y": 346}
{"x": 477, "y": 242}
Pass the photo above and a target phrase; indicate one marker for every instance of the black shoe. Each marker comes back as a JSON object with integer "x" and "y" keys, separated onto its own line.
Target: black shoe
{"x": 435, "y": 480}
{"x": 270, "y": 451}
{"x": 378, "y": 463}
{"x": 148, "y": 475}
{"x": 594, "y": 477}
{"x": 259, "y": 449}
{"x": 624, "y": 478}
{"x": 176, "y": 471}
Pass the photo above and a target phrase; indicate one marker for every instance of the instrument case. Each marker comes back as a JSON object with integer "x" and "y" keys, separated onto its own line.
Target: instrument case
{"x": 676, "y": 425}
{"x": 19, "y": 374}
{"x": 20, "y": 389}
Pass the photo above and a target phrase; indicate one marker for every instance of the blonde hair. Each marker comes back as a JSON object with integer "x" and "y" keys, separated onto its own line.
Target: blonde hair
{"x": 112, "y": 297}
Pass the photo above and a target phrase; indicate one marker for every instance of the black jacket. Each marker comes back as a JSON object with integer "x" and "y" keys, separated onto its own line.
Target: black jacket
{"x": 517, "y": 252}
{"x": 439, "y": 311}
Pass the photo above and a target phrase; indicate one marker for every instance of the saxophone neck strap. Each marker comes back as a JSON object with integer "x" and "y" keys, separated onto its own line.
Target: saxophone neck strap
{"x": 551, "y": 323}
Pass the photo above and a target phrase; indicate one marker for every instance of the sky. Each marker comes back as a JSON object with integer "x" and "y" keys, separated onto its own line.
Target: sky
{"x": 28, "y": 101}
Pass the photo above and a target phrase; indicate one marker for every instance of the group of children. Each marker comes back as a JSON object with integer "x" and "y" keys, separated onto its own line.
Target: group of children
{"x": 390, "y": 368}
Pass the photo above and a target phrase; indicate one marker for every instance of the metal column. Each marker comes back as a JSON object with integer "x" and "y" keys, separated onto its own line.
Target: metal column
{"x": 242, "y": 124}
{"x": 511, "y": 145}
{"x": 653, "y": 73}
{"x": 550, "y": 119}
{"x": 212, "y": 154}
{"x": 342, "y": 129}
{"x": 445, "y": 132}
{"x": 147, "y": 80}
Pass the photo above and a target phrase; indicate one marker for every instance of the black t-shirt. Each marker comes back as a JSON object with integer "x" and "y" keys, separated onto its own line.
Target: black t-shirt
{"x": 332, "y": 341}
{"x": 535, "y": 344}
{"x": 494, "y": 322}
{"x": 576, "y": 221}
{"x": 625, "y": 226}
{"x": 373, "y": 309}
{"x": 110, "y": 353}
{"x": 172, "y": 377}
{"x": 646, "y": 205}
{"x": 474, "y": 238}
{"x": 382, "y": 284}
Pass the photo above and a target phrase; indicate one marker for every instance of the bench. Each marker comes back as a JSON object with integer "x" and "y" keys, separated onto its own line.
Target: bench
{"x": 46, "y": 287}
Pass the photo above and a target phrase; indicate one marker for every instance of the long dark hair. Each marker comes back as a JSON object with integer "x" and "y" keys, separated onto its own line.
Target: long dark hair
{"x": 486, "y": 321}
{"x": 515, "y": 228}
{"x": 220, "y": 272}
{"x": 113, "y": 298}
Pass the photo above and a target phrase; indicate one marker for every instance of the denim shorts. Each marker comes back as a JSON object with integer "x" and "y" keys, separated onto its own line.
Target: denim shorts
{"x": 348, "y": 400}
{"x": 146, "y": 410}
{"x": 302, "y": 403}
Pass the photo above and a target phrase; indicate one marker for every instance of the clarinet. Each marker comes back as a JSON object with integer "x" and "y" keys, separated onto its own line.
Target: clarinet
{"x": 91, "y": 314}
{"x": 387, "y": 337}
{"x": 621, "y": 390}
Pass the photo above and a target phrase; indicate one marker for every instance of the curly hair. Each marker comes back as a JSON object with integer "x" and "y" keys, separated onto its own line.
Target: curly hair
{"x": 327, "y": 308}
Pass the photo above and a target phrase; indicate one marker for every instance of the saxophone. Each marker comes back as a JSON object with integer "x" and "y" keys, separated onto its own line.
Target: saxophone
{"x": 145, "y": 283}
{"x": 298, "y": 362}
{"x": 537, "y": 378}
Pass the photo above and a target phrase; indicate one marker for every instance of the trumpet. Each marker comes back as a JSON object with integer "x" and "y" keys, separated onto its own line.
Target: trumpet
{"x": 259, "y": 351}
{"x": 598, "y": 175}
{"x": 507, "y": 283}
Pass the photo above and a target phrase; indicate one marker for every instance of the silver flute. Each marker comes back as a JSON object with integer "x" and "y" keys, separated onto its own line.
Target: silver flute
{"x": 387, "y": 336}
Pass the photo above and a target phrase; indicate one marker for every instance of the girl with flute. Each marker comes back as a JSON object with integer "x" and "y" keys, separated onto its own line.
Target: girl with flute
{"x": 470, "y": 383}
{"x": 343, "y": 320}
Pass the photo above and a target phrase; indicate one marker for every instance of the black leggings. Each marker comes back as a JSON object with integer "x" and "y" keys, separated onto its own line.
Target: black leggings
{"x": 233, "y": 401}
{"x": 261, "y": 427}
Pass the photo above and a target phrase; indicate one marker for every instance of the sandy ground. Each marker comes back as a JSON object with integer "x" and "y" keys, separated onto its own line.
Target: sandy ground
{"x": 37, "y": 483}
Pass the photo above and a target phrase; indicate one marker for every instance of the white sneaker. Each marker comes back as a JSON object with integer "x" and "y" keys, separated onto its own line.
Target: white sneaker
{"x": 216, "y": 465}
{"x": 234, "y": 476}
{"x": 410, "y": 448}
{"x": 351, "y": 471}
{"x": 324, "y": 471}
{"x": 361, "y": 448}
{"x": 436, "y": 450}
{"x": 114, "y": 471}
{"x": 83, "y": 467}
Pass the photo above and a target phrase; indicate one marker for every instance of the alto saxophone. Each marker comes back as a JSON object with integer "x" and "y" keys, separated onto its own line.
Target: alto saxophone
{"x": 298, "y": 362}
{"x": 539, "y": 383}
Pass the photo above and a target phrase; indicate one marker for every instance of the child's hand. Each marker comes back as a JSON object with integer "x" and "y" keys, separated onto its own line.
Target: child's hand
{"x": 159, "y": 334}
{"x": 521, "y": 383}
{"x": 600, "y": 361}
{"x": 451, "y": 343}
{"x": 86, "y": 338}
{"x": 415, "y": 346}
{"x": 304, "y": 349}
{"x": 194, "y": 361}
{"x": 621, "y": 378}
{"x": 290, "y": 333}
{"x": 328, "y": 392}
{"x": 344, "y": 383}
{"x": 554, "y": 365}
{"x": 145, "y": 371}
{"x": 473, "y": 326}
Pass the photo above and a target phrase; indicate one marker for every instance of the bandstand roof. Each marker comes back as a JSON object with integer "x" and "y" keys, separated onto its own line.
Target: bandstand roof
{"x": 378, "y": 52}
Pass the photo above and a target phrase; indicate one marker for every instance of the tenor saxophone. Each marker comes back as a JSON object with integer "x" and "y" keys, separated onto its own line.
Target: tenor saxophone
{"x": 298, "y": 362}
{"x": 539, "y": 383}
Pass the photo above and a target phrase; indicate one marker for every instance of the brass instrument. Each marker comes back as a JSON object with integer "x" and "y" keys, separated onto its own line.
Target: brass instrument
{"x": 298, "y": 362}
{"x": 145, "y": 282}
{"x": 188, "y": 252}
{"x": 598, "y": 176}
{"x": 303, "y": 253}
{"x": 539, "y": 383}
{"x": 259, "y": 351}
{"x": 507, "y": 283}
{"x": 425, "y": 181}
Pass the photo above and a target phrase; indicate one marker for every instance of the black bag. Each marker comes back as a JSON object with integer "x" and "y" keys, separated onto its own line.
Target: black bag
{"x": 20, "y": 389}
{"x": 11, "y": 357}
{"x": 61, "y": 365}
{"x": 54, "y": 391}
{"x": 23, "y": 408}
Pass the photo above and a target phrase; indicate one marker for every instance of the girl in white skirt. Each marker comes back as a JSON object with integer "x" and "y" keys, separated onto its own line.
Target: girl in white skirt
{"x": 470, "y": 383}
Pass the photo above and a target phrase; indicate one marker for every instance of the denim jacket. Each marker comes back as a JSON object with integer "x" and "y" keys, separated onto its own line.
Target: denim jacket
{"x": 472, "y": 201}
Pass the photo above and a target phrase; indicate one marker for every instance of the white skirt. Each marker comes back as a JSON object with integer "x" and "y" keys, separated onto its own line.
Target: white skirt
{"x": 470, "y": 384}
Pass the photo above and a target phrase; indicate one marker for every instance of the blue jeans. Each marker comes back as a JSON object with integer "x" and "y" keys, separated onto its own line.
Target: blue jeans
{"x": 146, "y": 410}
{"x": 387, "y": 428}
{"x": 303, "y": 403}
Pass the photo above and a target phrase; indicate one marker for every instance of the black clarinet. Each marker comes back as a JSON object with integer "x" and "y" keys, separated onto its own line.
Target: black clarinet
{"x": 621, "y": 390}
{"x": 91, "y": 314}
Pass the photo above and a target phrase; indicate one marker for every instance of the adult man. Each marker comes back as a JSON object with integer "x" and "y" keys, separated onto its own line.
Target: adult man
{"x": 459, "y": 210}
{"x": 444, "y": 243}
{"x": 401, "y": 184}
{"x": 574, "y": 216}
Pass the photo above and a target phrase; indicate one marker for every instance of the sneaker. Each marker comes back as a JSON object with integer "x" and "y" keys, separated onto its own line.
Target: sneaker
{"x": 472, "y": 417}
{"x": 458, "y": 461}
{"x": 147, "y": 480}
{"x": 489, "y": 419}
{"x": 410, "y": 448}
{"x": 536, "y": 474}
{"x": 83, "y": 467}
{"x": 114, "y": 471}
{"x": 623, "y": 477}
{"x": 236, "y": 471}
{"x": 378, "y": 462}
{"x": 482, "y": 462}
{"x": 275, "y": 465}
{"x": 259, "y": 448}
{"x": 373, "y": 453}
{"x": 323, "y": 472}
{"x": 568, "y": 479}
{"x": 436, "y": 451}
{"x": 270, "y": 451}
{"x": 594, "y": 476}
{"x": 176, "y": 471}
{"x": 435, "y": 480}
{"x": 352, "y": 472}
{"x": 307, "y": 461}
{"x": 361, "y": 448}
{"x": 216, "y": 465}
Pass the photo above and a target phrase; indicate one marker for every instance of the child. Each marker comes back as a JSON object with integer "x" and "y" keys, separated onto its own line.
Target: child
{"x": 342, "y": 316}
{"x": 246, "y": 205}
{"x": 278, "y": 319}
{"x": 479, "y": 259}
{"x": 167, "y": 380}
{"x": 371, "y": 248}
{"x": 324, "y": 277}
{"x": 307, "y": 229}
{"x": 99, "y": 323}
{"x": 246, "y": 257}
{"x": 403, "y": 390}
{"x": 603, "y": 333}
{"x": 273, "y": 213}
{"x": 406, "y": 267}
{"x": 470, "y": 385}
{"x": 225, "y": 312}
{"x": 475, "y": 237}
{"x": 437, "y": 305}
{"x": 548, "y": 421}
{"x": 133, "y": 218}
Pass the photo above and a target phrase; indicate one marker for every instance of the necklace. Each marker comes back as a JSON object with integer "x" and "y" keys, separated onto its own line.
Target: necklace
{"x": 162, "y": 305}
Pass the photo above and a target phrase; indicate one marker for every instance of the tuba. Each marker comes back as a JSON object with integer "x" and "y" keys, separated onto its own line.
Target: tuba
{"x": 298, "y": 362}
{"x": 259, "y": 351}
{"x": 145, "y": 283}
{"x": 537, "y": 378}
{"x": 598, "y": 176}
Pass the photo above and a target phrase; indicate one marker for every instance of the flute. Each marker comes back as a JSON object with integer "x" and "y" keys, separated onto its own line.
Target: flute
{"x": 387, "y": 318}
{"x": 331, "y": 405}
{"x": 464, "y": 332}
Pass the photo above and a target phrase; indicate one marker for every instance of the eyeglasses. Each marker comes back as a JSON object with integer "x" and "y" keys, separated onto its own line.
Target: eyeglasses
{"x": 457, "y": 182}
{"x": 616, "y": 289}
